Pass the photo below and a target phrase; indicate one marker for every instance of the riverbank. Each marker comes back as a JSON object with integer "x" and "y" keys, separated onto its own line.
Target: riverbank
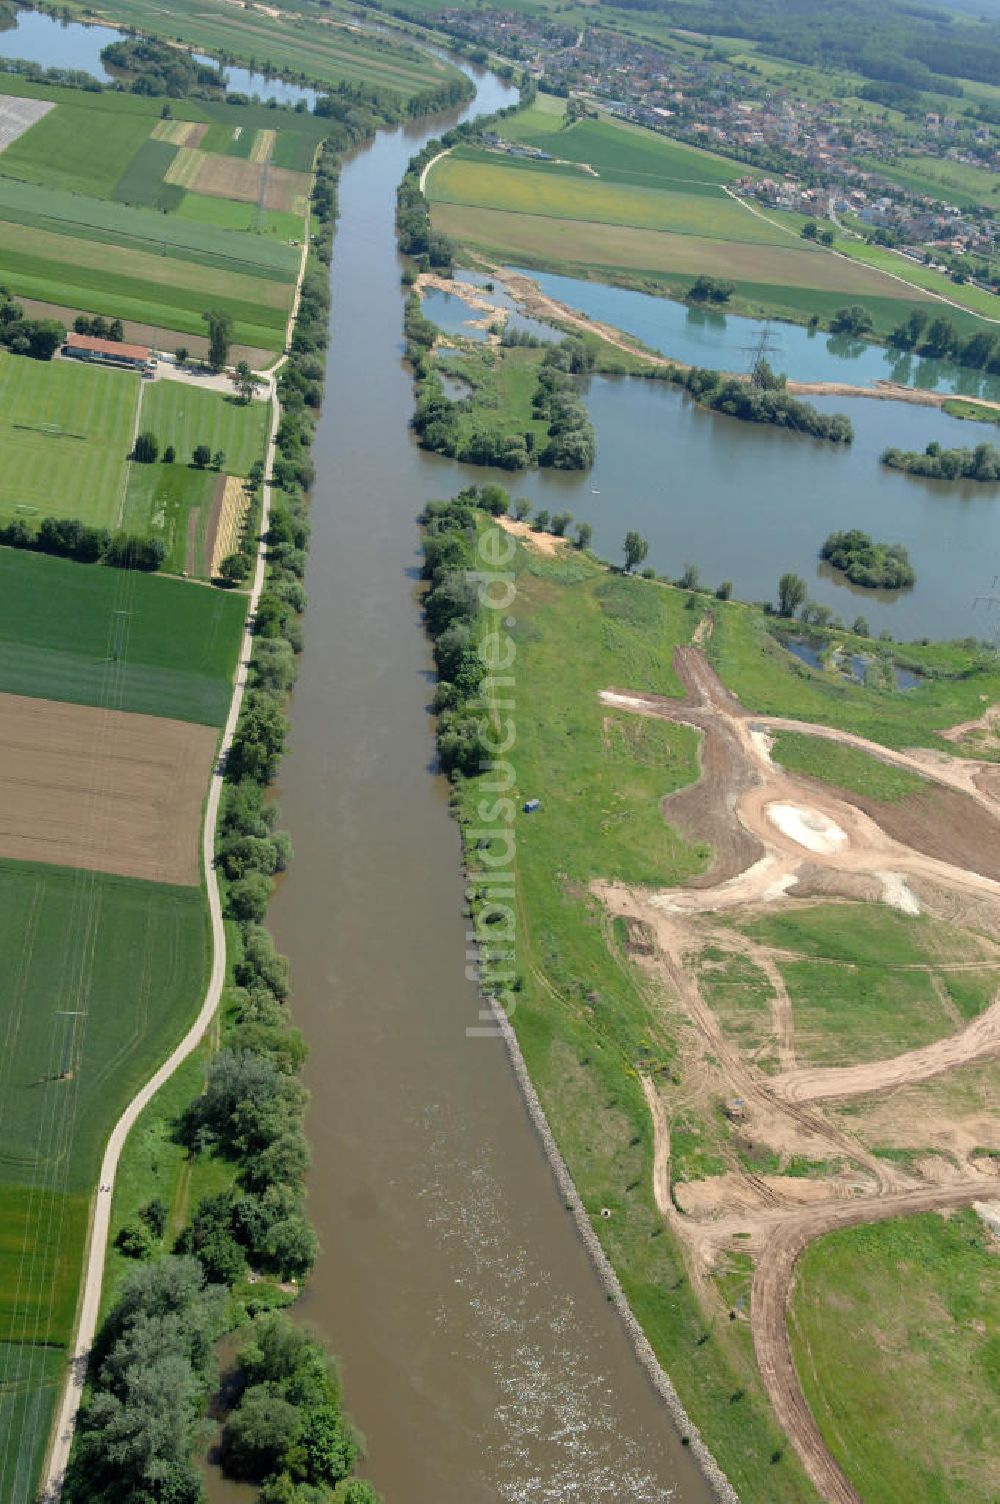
{"x": 599, "y": 949}
{"x": 535, "y": 303}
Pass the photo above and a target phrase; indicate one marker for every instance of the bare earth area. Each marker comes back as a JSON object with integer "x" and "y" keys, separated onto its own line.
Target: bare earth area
{"x": 102, "y": 789}
{"x": 781, "y": 840}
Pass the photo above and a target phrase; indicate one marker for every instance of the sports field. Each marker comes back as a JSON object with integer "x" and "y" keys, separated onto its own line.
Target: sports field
{"x": 59, "y": 628}
{"x": 66, "y": 430}
{"x": 186, "y": 416}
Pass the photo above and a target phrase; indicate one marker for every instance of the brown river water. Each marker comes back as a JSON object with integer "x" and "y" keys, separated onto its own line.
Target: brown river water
{"x": 480, "y": 1355}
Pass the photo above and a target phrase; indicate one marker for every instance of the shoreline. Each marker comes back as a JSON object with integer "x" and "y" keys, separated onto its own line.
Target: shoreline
{"x": 534, "y": 303}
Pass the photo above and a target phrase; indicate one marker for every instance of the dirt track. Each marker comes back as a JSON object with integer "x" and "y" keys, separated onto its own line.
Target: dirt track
{"x": 773, "y": 833}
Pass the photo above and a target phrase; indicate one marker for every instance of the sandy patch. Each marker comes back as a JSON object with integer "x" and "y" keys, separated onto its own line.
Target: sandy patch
{"x": 102, "y": 789}
{"x": 897, "y": 893}
{"x": 807, "y": 827}
{"x": 546, "y": 543}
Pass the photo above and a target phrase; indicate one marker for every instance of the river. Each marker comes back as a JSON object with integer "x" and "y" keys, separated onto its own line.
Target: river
{"x": 480, "y": 1355}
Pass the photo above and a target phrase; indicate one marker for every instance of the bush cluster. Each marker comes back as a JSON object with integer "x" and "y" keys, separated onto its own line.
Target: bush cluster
{"x": 39, "y": 338}
{"x": 151, "y": 1374}
{"x": 770, "y": 404}
{"x": 288, "y": 1432}
{"x": 878, "y": 566}
{"x": 981, "y": 463}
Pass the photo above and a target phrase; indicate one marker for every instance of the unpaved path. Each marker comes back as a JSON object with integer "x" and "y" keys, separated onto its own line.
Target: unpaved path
{"x": 769, "y": 1299}
{"x": 757, "y": 861}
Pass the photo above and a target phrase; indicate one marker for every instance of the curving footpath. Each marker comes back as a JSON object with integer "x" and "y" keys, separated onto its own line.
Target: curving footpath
{"x": 61, "y": 1445}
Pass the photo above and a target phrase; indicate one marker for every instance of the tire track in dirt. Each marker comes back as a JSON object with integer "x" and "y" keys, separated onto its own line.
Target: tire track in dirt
{"x": 753, "y": 861}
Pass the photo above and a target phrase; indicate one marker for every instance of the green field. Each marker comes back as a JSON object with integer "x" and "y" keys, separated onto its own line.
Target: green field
{"x": 88, "y": 222}
{"x": 66, "y": 431}
{"x": 38, "y": 1282}
{"x": 957, "y": 182}
{"x": 907, "y": 1397}
{"x": 29, "y": 1385}
{"x": 57, "y": 629}
{"x": 303, "y": 46}
{"x": 844, "y": 766}
{"x": 481, "y": 179}
{"x": 918, "y": 275}
{"x": 159, "y": 502}
{"x": 186, "y": 416}
{"x": 79, "y": 150}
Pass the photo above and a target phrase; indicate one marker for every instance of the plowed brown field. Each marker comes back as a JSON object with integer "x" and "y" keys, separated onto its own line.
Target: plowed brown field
{"x": 102, "y": 789}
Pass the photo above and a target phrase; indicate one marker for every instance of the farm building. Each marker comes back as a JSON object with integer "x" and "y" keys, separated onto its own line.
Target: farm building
{"x": 106, "y": 351}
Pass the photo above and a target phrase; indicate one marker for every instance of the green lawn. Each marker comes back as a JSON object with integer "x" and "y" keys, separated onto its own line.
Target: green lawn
{"x": 844, "y": 766}
{"x": 846, "y": 1014}
{"x": 78, "y": 150}
{"x": 57, "y": 628}
{"x": 863, "y": 935}
{"x": 896, "y": 1335}
{"x": 66, "y": 430}
{"x": 914, "y": 272}
{"x": 159, "y": 502}
{"x": 186, "y": 416}
{"x": 225, "y": 213}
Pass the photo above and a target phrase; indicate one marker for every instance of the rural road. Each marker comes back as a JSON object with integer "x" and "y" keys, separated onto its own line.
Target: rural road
{"x": 90, "y": 1302}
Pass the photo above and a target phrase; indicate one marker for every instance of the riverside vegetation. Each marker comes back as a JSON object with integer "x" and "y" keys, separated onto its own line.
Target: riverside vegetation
{"x": 981, "y": 463}
{"x": 247, "y": 1243}
{"x": 876, "y": 566}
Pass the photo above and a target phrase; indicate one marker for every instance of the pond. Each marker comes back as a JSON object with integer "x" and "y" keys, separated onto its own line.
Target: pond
{"x": 52, "y": 43}
{"x": 855, "y": 666}
{"x": 706, "y": 337}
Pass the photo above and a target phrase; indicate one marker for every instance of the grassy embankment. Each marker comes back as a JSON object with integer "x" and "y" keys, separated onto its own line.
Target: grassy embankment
{"x": 651, "y": 213}
{"x": 585, "y": 1020}
{"x": 129, "y": 957}
{"x": 907, "y": 1402}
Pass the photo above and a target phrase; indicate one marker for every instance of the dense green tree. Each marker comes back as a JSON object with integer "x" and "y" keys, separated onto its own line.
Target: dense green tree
{"x": 584, "y": 534}
{"x": 146, "y": 447}
{"x": 220, "y": 333}
{"x": 636, "y": 548}
{"x": 791, "y": 594}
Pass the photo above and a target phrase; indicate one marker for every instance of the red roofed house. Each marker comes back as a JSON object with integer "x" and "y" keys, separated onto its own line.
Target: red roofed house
{"x": 106, "y": 351}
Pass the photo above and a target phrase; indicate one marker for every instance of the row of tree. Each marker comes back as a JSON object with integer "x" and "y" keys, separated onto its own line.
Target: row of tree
{"x": 68, "y": 538}
{"x": 938, "y": 339}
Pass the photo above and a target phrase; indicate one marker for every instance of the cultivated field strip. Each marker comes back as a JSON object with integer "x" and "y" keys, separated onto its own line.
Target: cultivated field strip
{"x": 18, "y": 116}
{"x": 142, "y": 819}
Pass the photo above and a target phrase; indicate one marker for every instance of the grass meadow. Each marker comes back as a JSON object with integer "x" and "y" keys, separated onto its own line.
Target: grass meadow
{"x": 29, "y": 1384}
{"x": 58, "y": 630}
{"x": 846, "y": 767}
{"x": 908, "y": 1410}
{"x": 66, "y": 431}
{"x": 77, "y": 150}
{"x": 186, "y": 416}
{"x": 160, "y": 501}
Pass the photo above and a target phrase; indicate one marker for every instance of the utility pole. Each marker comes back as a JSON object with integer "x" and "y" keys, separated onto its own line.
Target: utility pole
{"x": 69, "y": 1034}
